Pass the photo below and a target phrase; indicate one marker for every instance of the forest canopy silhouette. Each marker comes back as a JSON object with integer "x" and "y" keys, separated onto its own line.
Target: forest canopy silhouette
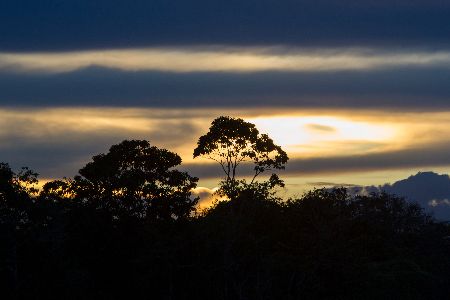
{"x": 128, "y": 225}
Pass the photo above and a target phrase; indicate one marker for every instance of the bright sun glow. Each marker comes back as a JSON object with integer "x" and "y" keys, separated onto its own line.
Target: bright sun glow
{"x": 303, "y": 134}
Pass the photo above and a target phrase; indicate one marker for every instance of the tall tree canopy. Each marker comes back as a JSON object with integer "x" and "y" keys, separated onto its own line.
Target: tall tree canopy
{"x": 138, "y": 179}
{"x": 233, "y": 141}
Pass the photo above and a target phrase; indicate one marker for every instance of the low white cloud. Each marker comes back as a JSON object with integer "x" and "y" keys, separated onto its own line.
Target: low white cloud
{"x": 436, "y": 202}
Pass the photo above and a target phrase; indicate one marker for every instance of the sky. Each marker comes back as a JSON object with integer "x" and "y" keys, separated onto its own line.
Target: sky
{"x": 356, "y": 92}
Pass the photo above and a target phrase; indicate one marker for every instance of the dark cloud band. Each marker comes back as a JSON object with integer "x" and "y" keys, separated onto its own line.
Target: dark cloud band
{"x": 424, "y": 88}
{"x": 29, "y": 25}
{"x": 432, "y": 156}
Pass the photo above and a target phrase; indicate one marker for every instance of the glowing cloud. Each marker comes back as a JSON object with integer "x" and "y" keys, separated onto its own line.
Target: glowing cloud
{"x": 243, "y": 59}
{"x": 313, "y": 135}
{"x": 58, "y": 142}
{"x": 207, "y": 196}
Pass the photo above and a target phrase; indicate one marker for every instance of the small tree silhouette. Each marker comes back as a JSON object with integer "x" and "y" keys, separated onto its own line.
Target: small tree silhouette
{"x": 231, "y": 142}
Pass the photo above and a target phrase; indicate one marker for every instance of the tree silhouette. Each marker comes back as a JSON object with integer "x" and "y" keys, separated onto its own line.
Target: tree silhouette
{"x": 137, "y": 179}
{"x": 16, "y": 217}
{"x": 121, "y": 229}
{"x": 232, "y": 142}
{"x": 86, "y": 238}
{"x": 16, "y": 190}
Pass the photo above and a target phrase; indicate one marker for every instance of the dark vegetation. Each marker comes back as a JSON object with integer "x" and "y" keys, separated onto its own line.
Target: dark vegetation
{"x": 127, "y": 226}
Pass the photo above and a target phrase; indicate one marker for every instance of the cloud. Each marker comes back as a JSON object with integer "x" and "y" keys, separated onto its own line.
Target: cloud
{"x": 320, "y": 128}
{"x": 429, "y": 189}
{"x": 58, "y": 142}
{"x": 417, "y": 156}
{"x": 325, "y": 183}
{"x": 437, "y": 202}
{"x": 207, "y": 196}
{"x": 216, "y": 59}
{"x": 85, "y": 24}
{"x": 406, "y": 88}
{"x": 420, "y": 156}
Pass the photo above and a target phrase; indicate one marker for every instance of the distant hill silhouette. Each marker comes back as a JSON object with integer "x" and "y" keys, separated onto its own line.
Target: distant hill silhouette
{"x": 429, "y": 189}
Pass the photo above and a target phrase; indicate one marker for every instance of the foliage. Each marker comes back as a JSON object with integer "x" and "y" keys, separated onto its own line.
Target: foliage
{"x": 123, "y": 228}
{"x": 16, "y": 191}
{"x": 135, "y": 179}
{"x": 232, "y": 142}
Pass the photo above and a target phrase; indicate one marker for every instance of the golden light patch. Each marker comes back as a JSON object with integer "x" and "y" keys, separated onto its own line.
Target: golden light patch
{"x": 314, "y": 134}
{"x": 303, "y": 134}
{"x": 207, "y": 197}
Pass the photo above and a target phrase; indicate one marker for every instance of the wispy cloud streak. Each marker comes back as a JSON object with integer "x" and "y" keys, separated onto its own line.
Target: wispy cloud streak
{"x": 57, "y": 142}
{"x": 213, "y": 59}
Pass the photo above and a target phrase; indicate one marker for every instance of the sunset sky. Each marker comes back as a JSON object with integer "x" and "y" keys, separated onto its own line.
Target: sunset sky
{"x": 356, "y": 92}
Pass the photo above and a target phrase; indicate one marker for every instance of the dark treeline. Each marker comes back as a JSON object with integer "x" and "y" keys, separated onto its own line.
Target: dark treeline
{"x": 127, "y": 226}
